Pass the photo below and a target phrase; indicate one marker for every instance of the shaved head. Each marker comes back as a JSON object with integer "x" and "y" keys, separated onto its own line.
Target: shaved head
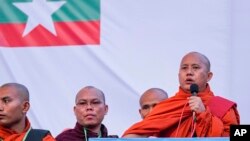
{"x": 202, "y": 57}
{"x": 90, "y": 108}
{"x": 156, "y": 92}
{"x": 86, "y": 89}
{"x": 20, "y": 89}
{"x": 149, "y": 99}
{"x": 194, "y": 69}
{"x": 14, "y": 105}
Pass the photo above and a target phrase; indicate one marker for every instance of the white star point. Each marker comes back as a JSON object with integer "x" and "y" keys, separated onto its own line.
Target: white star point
{"x": 39, "y": 12}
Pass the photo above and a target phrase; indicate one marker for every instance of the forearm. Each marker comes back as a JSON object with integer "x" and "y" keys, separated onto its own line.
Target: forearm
{"x": 230, "y": 118}
{"x": 209, "y": 125}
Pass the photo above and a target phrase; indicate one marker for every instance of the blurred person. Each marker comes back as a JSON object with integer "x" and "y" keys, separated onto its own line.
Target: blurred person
{"x": 149, "y": 99}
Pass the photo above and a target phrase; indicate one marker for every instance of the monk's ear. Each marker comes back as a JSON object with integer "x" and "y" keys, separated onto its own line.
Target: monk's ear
{"x": 106, "y": 109}
{"x": 25, "y": 106}
{"x": 209, "y": 76}
{"x": 140, "y": 111}
{"x": 74, "y": 110}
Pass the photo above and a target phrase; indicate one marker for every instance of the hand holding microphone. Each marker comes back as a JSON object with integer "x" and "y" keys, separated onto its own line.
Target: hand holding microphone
{"x": 196, "y": 105}
{"x": 195, "y": 102}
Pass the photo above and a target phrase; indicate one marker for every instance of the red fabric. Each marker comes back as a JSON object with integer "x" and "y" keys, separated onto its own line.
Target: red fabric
{"x": 68, "y": 33}
{"x": 219, "y": 106}
{"x": 163, "y": 120}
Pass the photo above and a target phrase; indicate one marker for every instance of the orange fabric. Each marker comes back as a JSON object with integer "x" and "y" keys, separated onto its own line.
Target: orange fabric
{"x": 9, "y": 135}
{"x": 49, "y": 138}
{"x": 164, "y": 119}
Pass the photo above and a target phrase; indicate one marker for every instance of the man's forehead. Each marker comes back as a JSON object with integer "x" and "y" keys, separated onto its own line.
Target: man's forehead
{"x": 192, "y": 64}
{"x": 153, "y": 94}
{"x": 8, "y": 92}
{"x": 195, "y": 57}
{"x": 149, "y": 103}
{"x": 89, "y": 96}
{"x": 191, "y": 59}
{"x": 5, "y": 97}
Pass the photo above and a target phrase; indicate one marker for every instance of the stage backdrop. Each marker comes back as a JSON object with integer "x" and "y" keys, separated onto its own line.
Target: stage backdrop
{"x": 122, "y": 47}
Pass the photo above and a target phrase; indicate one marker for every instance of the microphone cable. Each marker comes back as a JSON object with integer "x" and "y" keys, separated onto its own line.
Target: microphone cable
{"x": 193, "y": 124}
{"x": 180, "y": 119}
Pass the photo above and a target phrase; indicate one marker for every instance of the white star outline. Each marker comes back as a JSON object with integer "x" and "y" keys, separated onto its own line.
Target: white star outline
{"x": 39, "y": 12}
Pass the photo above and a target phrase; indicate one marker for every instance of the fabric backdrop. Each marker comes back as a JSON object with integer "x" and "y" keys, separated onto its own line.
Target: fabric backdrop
{"x": 137, "y": 44}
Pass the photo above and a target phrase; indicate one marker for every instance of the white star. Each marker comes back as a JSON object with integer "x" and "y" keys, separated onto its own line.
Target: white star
{"x": 39, "y": 12}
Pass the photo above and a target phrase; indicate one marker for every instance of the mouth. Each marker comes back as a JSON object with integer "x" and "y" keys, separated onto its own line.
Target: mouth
{"x": 189, "y": 81}
{"x": 89, "y": 116}
{"x": 2, "y": 116}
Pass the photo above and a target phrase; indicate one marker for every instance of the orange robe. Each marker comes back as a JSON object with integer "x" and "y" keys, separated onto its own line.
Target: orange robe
{"x": 9, "y": 135}
{"x": 164, "y": 120}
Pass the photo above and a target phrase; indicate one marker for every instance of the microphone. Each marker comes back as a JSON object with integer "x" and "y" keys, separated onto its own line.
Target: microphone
{"x": 194, "y": 89}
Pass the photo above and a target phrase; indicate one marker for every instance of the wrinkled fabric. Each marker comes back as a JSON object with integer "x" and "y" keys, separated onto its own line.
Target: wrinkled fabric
{"x": 10, "y": 135}
{"x": 77, "y": 134}
{"x": 164, "y": 119}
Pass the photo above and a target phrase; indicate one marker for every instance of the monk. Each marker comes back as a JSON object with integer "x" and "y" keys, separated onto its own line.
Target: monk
{"x": 149, "y": 99}
{"x": 14, "y": 124}
{"x": 184, "y": 115}
{"x": 90, "y": 109}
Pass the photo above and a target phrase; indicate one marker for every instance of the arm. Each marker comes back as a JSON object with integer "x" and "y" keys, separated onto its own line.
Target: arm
{"x": 209, "y": 125}
{"x": 231, "y": 117}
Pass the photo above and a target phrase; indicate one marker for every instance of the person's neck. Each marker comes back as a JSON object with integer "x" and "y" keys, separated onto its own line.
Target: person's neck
{"x": 95, "y": 129}
{"x": 19, "y": 126}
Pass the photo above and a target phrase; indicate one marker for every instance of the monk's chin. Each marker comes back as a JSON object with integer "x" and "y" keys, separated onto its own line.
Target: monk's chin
{"x": 90, "y": 125}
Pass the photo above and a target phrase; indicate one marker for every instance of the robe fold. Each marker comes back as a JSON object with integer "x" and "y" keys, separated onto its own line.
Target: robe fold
{"x": 173, "y": 117}
{"x": 77, "y": 134}
{"x": 10, "y": 135}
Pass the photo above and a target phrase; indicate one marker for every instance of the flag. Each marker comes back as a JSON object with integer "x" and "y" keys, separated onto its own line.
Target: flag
{"x": 122, "y": 47}
{"x": 71, "y": 22}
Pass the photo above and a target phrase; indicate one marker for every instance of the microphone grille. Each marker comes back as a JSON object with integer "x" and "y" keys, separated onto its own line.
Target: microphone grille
{"x": 194, "y": 88}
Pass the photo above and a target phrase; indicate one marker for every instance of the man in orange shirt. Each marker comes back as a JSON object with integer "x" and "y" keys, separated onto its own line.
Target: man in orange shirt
{"x": 186, "y": 115}
{"x": 149, "y": 99}
{"x": 14, "y": 124}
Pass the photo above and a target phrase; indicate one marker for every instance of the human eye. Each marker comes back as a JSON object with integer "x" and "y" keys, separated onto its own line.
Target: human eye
{"x": 196, "y": 67}
{"x": 154, "y": 105}
{"x": 96, "y": 102}
{"x": 81, "y": 103}
{"x": 145, "y": 107}
{"x": 184, "y": 67}
{"x": 6, "y": 100}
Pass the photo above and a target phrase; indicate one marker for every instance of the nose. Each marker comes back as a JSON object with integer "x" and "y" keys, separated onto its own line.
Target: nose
{"x": 1, "y": 107}
{"x": 89, "y": 106}
{"x": 190, "y": 71}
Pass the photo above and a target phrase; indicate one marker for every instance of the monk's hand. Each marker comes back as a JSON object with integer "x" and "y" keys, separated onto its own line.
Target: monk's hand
{"x": 196, "y": 104}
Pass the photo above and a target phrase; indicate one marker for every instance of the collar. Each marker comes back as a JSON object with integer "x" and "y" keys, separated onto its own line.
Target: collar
{"x": 204, "y": 95}
{"x": 5, "y": 132}
{"x": 80, "y": 129}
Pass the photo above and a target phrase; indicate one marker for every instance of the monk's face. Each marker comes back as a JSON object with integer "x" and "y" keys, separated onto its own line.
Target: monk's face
{"x": 194, "y": 69}
{"x": 12, "y": 107}
{"x": 149, "y": 100}
{"x": 90, "y": 108}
